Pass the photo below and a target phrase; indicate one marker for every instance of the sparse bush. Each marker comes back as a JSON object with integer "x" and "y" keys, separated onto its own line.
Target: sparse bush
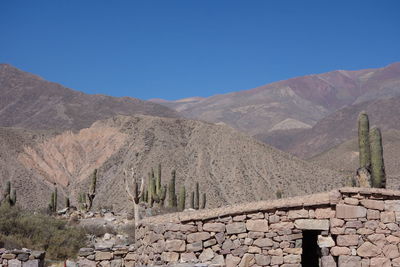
{"x": 20, "y": 229}
{"x": 98, "y": 230}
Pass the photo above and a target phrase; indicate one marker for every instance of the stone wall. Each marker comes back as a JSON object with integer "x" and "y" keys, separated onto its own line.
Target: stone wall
{"x": 345, "y": 227}
{"x": 21, "y": 258}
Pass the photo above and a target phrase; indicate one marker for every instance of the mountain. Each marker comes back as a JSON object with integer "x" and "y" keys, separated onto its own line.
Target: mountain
{"x": 344, "y": 157}
{"x": 293, "y": 104}
{"x": 231, "y": 167}
{"x": 28, "y": 101}
{"x": 337, "y": 128}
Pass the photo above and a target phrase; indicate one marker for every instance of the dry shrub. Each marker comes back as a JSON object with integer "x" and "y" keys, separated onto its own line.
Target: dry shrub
{"x": 20, "y": 229}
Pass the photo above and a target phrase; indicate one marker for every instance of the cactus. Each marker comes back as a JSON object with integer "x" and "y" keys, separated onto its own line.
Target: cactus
{"x": 203, "y": 201}
{"x": 172, "y": 203}
{"x": 92, "y": 190}
{"x": 363, "y": 141}
{"x": 182, "y": 198}
{"x": 10, "y": 195}
{"x": 197, "y": 197}
{"x": 55, "y": 199}
{"x": 160, "y": 191}
{"x": 377, "y": 164}
{"x": 192, "y": 200}
{"x": 279, "y": 194}
{"x": 67, "y": 202}
{"x": 151, "y": 189}
{"x": 13, "y": 197}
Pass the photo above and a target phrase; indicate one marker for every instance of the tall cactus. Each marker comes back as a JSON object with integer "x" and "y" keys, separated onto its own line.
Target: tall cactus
{"x": 160, "y": 190}
{"x": 9, "y": 195}
{"x": 53, "y": 200}
{"x": 172, "y": 203}
{"x": 67, "y": 202}
{"x": 197, "y": 197}
{"x": 92, "y": 190}
{"x": 377, "y": 164}
{"x": 192, "y": 200}
{"x": 203, "y": 201}
{"x": 363, "y": 140}
{"x": 151, "y": 189}
{"x": 182, "y": 198}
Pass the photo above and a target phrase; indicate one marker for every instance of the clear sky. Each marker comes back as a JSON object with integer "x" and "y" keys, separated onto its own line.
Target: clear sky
{"x": 175, "y": 49}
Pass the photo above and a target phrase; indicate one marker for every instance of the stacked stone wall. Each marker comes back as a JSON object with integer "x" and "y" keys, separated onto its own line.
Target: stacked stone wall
{"x": 354, "y": 227}
{"x": 21, "y": 258}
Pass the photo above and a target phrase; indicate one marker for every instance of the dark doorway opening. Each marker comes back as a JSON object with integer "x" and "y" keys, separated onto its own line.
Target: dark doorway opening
{"x": 311, "y": 251}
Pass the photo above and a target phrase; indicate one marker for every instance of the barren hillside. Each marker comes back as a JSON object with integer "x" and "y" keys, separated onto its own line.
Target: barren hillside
{"x": 230, "y": 167}
{"x": 28, "y": 101}
{"x": 295, "y": 103}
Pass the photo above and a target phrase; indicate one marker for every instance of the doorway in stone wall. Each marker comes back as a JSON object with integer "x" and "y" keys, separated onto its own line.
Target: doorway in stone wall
{"x": 311, "y": 251}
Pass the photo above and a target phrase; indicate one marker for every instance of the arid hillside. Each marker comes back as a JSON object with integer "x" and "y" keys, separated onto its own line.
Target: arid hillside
{"x": 230, "y": 166}
{"x": 336, "y": 128}
{"x": 28, "y": 101}
{"x": 297, "y": 103}
{"x": 344, "y": 157}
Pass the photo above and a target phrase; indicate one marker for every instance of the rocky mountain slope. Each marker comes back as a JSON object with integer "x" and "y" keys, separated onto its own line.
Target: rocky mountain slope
{"x": 231, "y": 167}
{"x": 28, "y": 101}
{"x": 293, "y": 104}
{"x": 336, "y": 128}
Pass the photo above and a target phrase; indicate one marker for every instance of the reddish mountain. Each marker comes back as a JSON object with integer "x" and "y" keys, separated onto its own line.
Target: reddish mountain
{"x": 28, "y": 101}
{"x": 295, "y": 103}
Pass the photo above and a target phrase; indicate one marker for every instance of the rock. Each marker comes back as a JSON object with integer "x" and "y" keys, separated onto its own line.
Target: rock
{"x": 247, "y": 260}
{"x": 388, "y": 217}
{"x": 380, "y": 262}
{"x": 86, "y": 263}
{"x": 338, "y": 251}
{"x": 14, "y": 263}
{"x": 227, "y": 245}
{"x": 36, "y": 263}
{"x": 232, "y": 261}
{"x": 38, "y": 254}
{"x": 8, "y": 256}
{"x": 257, "y": 225}
{"x": 262, "y": 259}
{"x": 325, "y": 241}
{"x": 189, "y": 257}
{"x": 210, "y": 243}
{"x": 84, "y": 252}
{"x": 214, "y": 227}
{"x": 312, "y": 224}
{"x": 349, "y": 261}
{"x": 281, "y": 226}
{"x": 336, "y": 222}
{"x": 105, "y": 264}
{"x": 276, "y": 260}
{"x": 296, "y": 251}
{"x": 347, "y": 240}
{"x": 373, "y": 214}
{"x": 206, "y": 255}
{"x": 107, "y": 236}
{"x": 393, "y": 239}
{"x": 351, "y": 201}
{"x": 328, "y": 261}
{"x": 23, "y": 257}
{"x": 115, "y": 263}
{"x": 391, "y": 251}
{"x": 235, "y": 228}
{"x": 292, "y": 259}
{"x": 170, "y": 256}
{"x": 298, "y": 214}
{"x": 254, "y": 250}
{"x": 392, "y": 205}
{"x": 196, "y": 237}
{"x": 348, "y": 212}
{"x": 103, "y": 255}
{"x": 324, "y": 213}
{"x": 218, "y": 261}
{"x": 263, "y": 242}
{"x": 175, "y": 245}
{"x": 377, "y": 239}
{"x": 373, "y": 204}
{"x": 368, "y": 249}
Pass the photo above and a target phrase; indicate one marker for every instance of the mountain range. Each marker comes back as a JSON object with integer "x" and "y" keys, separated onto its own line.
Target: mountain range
{"x": 51, "y": 135}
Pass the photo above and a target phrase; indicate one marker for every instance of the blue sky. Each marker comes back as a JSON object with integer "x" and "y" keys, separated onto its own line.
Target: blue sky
{"x": 175, "y": 49}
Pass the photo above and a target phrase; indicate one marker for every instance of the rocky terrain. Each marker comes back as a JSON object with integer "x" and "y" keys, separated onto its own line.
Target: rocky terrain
{"x": 296, "y": 103}
{"x": 28, "y": 101}
{"x": 231, "y": 167}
